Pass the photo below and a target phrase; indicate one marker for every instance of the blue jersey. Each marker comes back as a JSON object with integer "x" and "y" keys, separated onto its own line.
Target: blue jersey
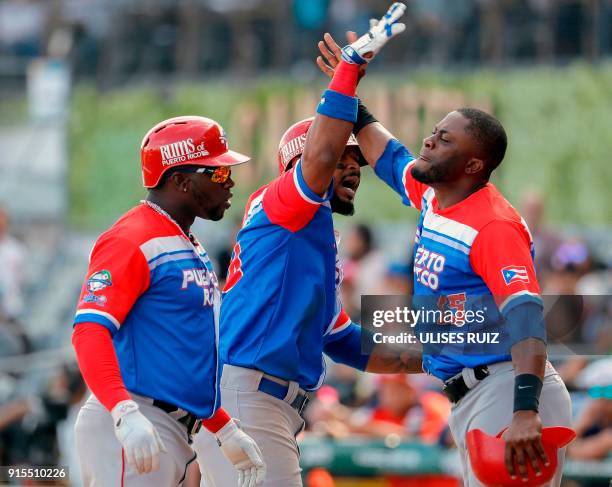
{"x": 157, "y": 294}
{"x": 476, "y": 255}
{"x": 280, "y": 303}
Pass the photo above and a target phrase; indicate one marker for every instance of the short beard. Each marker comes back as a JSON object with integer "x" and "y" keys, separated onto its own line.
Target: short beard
{"x": 433, "y": 174}
{"x": 216, "y": 215}
{"x": 346, "y": 208}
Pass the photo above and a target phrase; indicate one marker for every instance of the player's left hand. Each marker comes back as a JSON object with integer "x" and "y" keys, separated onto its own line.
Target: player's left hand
{"x": 242, "y": 451}
{"x": 524, "y": 444}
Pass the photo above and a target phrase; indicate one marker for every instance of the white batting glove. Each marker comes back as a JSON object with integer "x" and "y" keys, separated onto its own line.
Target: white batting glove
{"x": 242, "y": 451}
{"x": 379, "y": 34}
{"x": 138, "y": 437}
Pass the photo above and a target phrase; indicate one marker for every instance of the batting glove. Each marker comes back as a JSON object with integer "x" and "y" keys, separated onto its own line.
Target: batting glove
{"x": 138, "y": 437}
{"x": 243, "y": 453}
{"x": 379, "y": 34}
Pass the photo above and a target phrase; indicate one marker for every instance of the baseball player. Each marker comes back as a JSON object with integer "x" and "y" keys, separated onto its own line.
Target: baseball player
{"x": 472, "y": 247}
{"x": 280, "y": 309}
{"x": 146, "y": 326}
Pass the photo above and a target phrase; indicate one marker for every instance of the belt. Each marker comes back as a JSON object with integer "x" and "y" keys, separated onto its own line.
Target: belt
{"x": 455, "y": 387}
{"x": 279, "y": 390}
{"x": 190, "y": 421}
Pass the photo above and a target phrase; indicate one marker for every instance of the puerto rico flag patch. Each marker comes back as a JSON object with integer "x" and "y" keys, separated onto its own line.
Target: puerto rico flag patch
{"x": 514, "y": 273}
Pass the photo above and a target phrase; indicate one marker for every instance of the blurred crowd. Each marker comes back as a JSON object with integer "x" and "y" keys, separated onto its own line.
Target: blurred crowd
{"x": 115, "y": 41}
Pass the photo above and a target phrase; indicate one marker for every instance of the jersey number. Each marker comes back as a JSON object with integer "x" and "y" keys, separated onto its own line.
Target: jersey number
{"x": 456, "y": 304}
{"x": 234, "y": 273}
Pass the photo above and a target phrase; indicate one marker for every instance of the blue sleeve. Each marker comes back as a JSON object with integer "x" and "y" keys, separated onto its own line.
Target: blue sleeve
{"x": 392, "y": 167}
{"x": 525, "y": 320}
{"x": 346, "y": 348}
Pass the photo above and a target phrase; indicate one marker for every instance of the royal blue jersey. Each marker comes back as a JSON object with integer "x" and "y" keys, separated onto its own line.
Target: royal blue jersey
{"x": 280, "y": 303}
{"x": 157, "y": 294}
{"x": 477, "y": 255}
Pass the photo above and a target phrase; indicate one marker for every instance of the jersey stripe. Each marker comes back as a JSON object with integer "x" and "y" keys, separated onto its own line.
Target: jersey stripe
{"x": 303, "y": 189}
{"x": 91, "y": 311}
{"x": 459, "y": 232}
{"x": 404, "y": 174}
{"x": 164, "y": 245}
{"x": 448, "y": 241}
{"x": 171, "y": 257}
{"x": 519, "y": 294}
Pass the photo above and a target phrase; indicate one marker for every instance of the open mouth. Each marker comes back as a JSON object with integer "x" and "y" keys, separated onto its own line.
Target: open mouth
{"x": 349, "y": 187}
{"x": 424, "y": 158}
{"x": 228, "y": 200}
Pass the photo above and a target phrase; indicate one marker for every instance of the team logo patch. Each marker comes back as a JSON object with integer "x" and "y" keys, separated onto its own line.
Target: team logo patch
{"x": 96, "y": 282}
{"x": 99, "y": 281}
{"x": 514, "y": 273}
{"x": 92, "y": 298}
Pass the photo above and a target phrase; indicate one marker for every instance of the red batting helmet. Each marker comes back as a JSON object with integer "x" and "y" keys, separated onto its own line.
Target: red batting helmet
{"x": 487, "y": 455}
{"x": 292, "y": 143}
{"x": 183, "y": 141}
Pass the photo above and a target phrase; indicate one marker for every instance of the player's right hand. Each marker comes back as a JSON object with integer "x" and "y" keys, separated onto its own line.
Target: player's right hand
{"x": 368, "y": 45}
{"x": 138, "y": 437}
{"x": 332, "y": 53}
{"x": 242, "y": 451}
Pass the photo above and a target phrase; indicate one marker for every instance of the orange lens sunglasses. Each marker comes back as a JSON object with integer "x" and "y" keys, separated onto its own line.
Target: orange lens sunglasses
{"x": 219, "y": 174}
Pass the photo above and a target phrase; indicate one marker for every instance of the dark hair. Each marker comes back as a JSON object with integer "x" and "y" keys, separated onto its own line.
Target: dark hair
{"x": 490, "y": 135}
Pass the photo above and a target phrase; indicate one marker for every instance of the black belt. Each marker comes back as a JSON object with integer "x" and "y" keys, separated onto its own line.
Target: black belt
{"x": 455, "y": 387}
{"x": 190, "y": 421}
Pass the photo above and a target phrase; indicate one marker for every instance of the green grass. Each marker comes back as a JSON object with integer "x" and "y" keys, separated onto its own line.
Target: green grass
{"x": 558, "y": 123}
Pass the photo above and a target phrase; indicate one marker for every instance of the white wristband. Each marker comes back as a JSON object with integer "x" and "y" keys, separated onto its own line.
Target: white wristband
{"x": 121, "y": 409}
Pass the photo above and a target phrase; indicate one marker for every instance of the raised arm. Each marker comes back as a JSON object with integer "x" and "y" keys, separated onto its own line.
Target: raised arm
{"x": 337, "y": 111}
{"x": 330, "y": 129}
{"x": 373, "y": 140}
{"x": 371, "y": 135}
{"x": 390, "y": 159}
